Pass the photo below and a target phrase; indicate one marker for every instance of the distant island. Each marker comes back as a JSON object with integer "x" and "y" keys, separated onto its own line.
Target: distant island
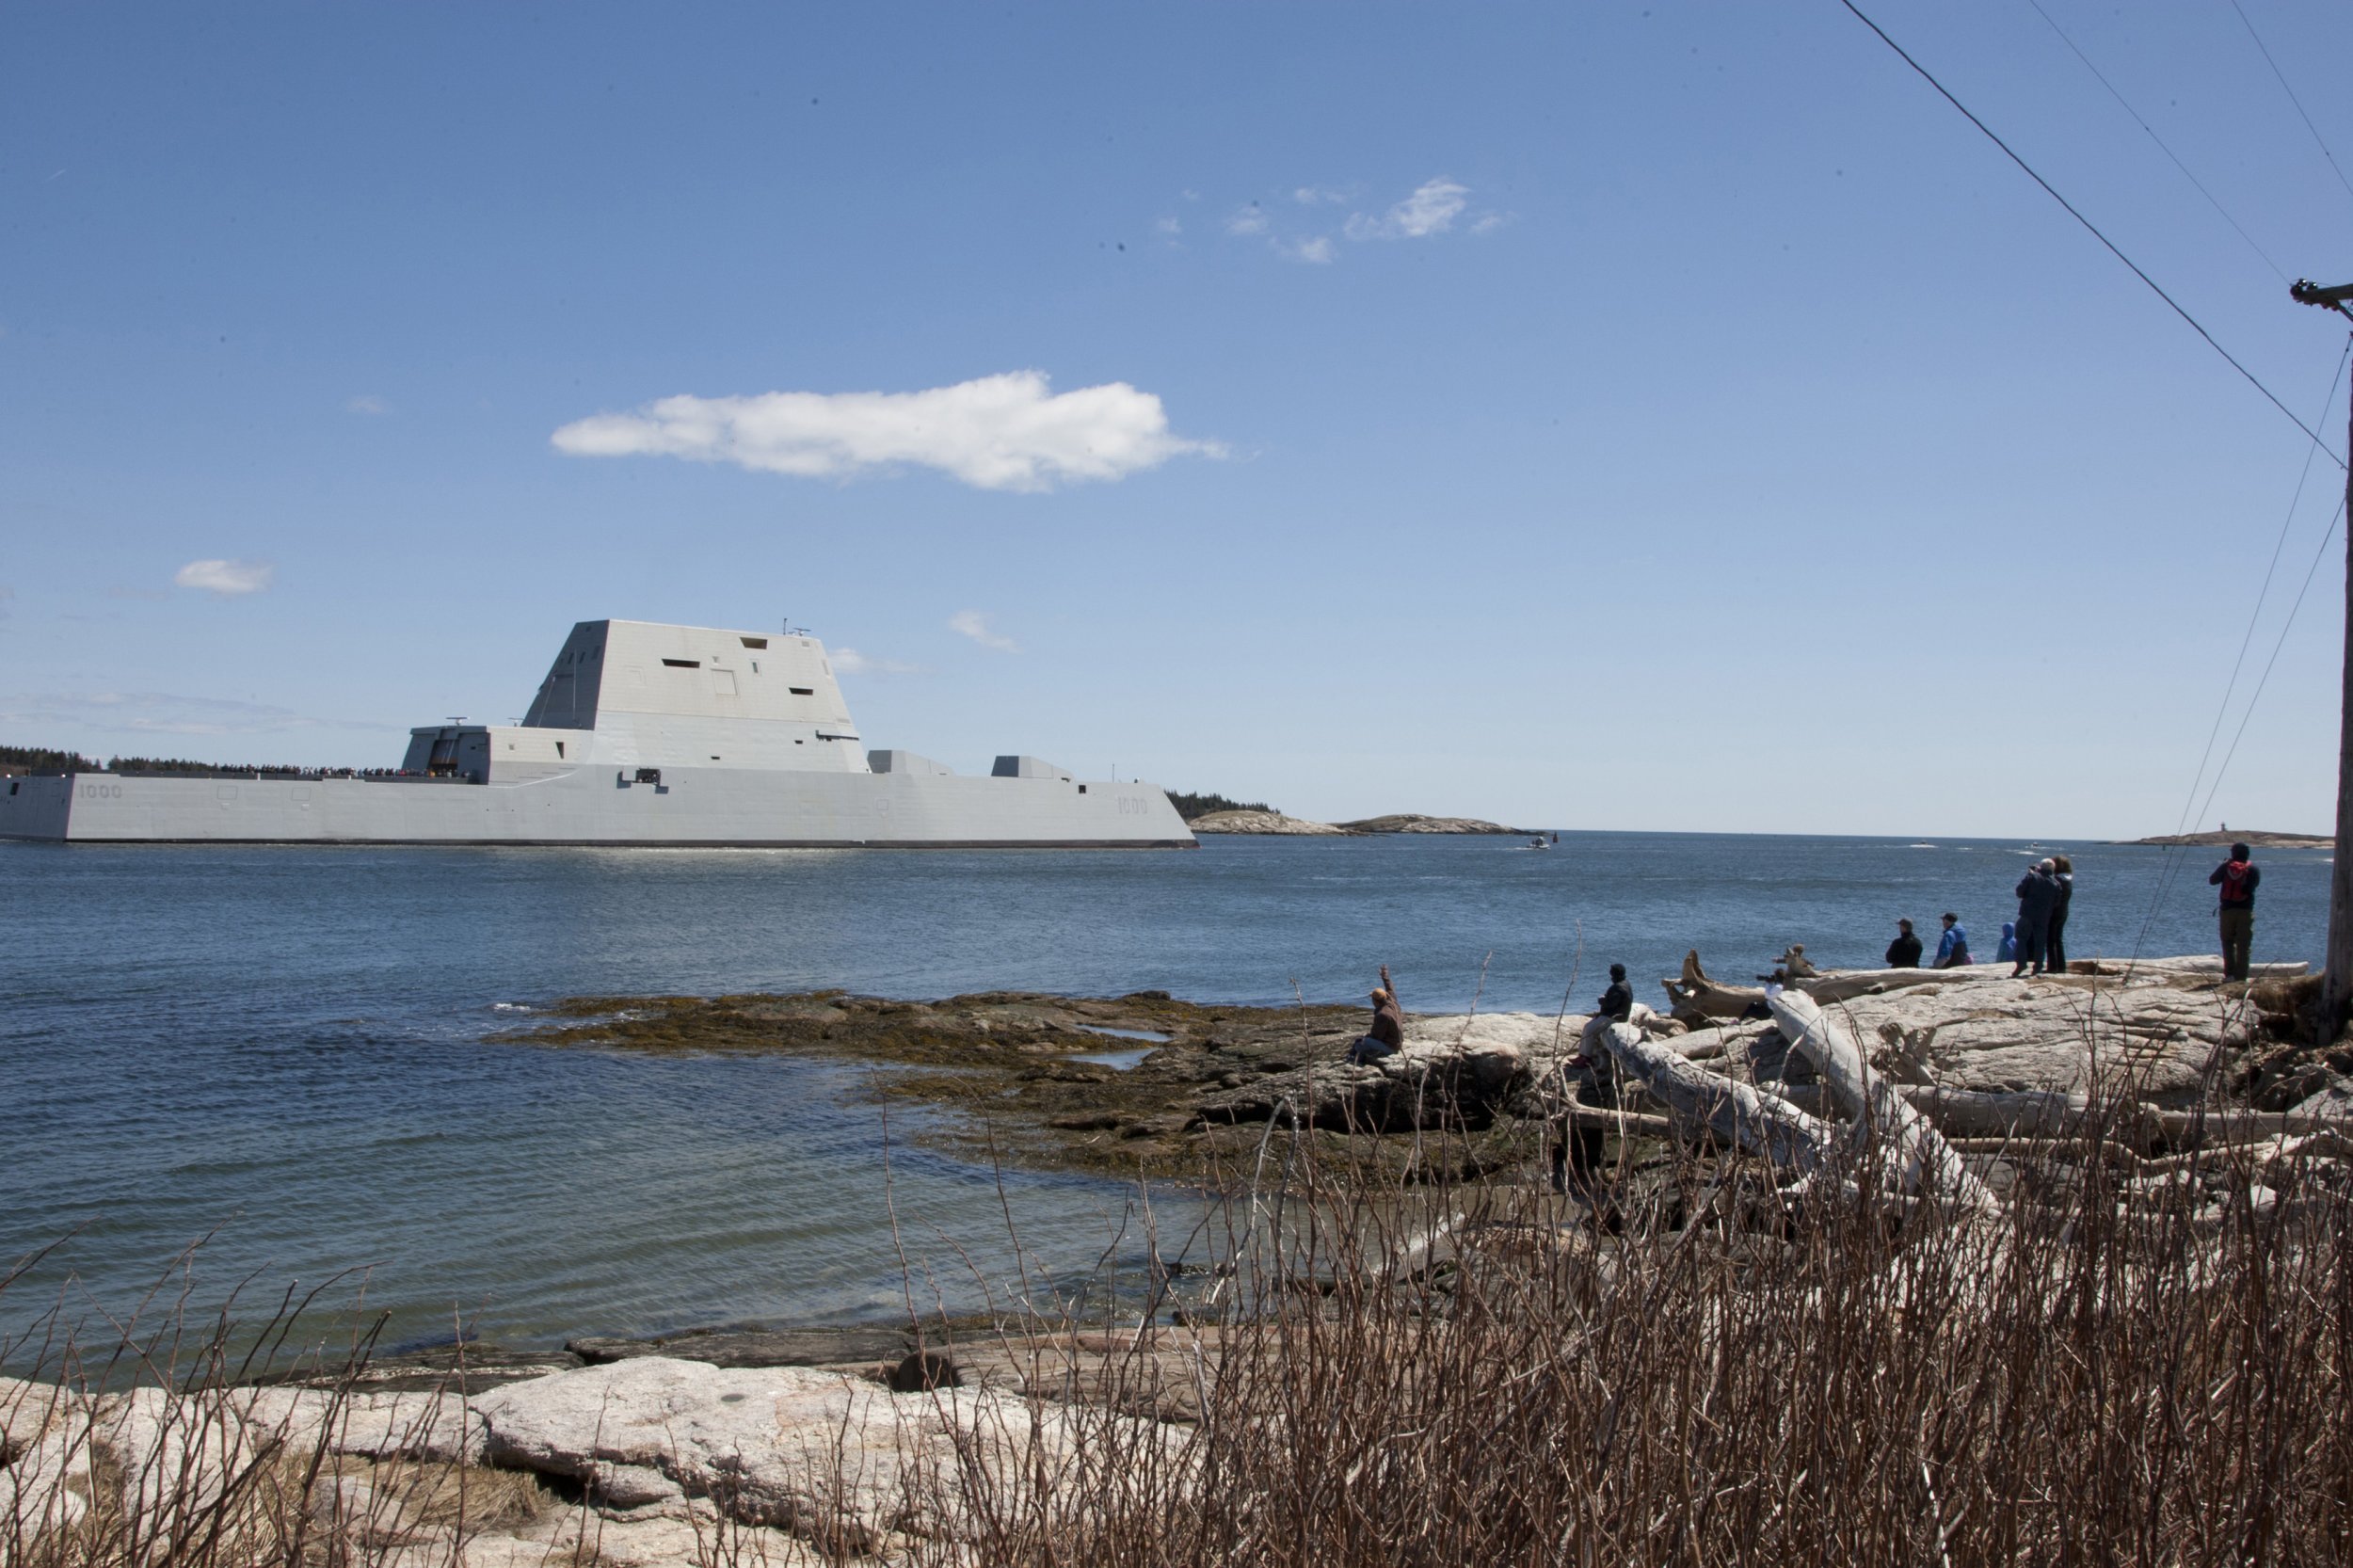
{"x": 2225, "y": 837}
{"x": 1263, "y": 820}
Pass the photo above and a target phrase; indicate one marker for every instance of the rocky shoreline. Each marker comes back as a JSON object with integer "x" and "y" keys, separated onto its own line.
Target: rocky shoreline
{"x": 806, "y": 1445}
{"x": 1146, "y": 1085}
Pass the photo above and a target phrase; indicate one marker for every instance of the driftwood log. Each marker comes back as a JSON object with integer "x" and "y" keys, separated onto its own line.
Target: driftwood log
{"x": 1698, "y": 999}
{"x": 1924, "y": 1163}
{"x": 1738, "y": 1113}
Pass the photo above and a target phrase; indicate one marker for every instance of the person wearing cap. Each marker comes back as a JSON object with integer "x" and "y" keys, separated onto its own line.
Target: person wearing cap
{"x": 1952, "y": 948}
{"x": 2038, "y": 895}
{"x": 1386, "y": 1036}
{"x": 2236, "y": 877}
{"x": 1904, "y": 952}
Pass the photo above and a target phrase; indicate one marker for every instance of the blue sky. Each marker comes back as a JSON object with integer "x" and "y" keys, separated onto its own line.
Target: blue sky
{"x": 1666, "y": 417}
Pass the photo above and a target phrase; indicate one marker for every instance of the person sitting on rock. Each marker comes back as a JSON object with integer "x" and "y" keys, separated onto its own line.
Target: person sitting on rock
{"x": 1616, "y": 1003}
{"x": 1577, "y": 1155}
{"x": 1386, "y": 1036}
{"x": 2005, "y": 951}
{"x": 1952, "y": 949}
{"x": 1904, "y": 952}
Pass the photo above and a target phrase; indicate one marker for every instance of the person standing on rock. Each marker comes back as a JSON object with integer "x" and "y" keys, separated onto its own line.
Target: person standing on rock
{"x": 1386, "y": 1036}
{"x": 2054, "y": 946}
{"x": 1952, "y": 948}
{"x": 2006, "y": 950}
{"x": 1904, "y": 952}
{"x": 2236, "y": 877}
{"x": 2038, "y": 895}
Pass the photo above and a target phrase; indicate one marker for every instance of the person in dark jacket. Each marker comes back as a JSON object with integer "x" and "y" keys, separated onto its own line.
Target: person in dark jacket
{"x": 1618, "y": 1001}
{"x": 1577, "y": 1157}
{"x": 1952, "y": 946}
{"x": 1904, "y": 952}
{"x": 2038, "y": 895}
{"x": 2055, "y": 945}
{"x": 1386, "y": 1036}
{"x": 2236, "y": 877}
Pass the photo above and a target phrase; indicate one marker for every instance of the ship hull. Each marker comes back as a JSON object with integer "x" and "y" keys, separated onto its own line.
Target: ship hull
{"x": 697, "y": 807}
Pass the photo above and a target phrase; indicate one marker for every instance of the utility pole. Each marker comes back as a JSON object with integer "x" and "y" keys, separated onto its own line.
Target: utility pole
{"x": 2336, "y": 984}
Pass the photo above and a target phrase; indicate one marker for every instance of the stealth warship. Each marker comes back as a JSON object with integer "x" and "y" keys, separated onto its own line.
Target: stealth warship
{"x": 640, "y": 735}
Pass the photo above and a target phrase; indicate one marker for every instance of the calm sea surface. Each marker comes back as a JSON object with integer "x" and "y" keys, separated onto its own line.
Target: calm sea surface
{"x": 287, "y": 1049}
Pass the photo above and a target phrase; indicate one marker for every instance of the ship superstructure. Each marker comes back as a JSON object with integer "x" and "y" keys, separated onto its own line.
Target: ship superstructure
{"x": 640, "y": 734}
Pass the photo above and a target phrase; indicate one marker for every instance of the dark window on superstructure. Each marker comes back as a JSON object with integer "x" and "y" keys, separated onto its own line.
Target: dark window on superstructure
{"x": 559, "y": 751}
{"x": 754, "y": 641}
{"x": 683, "y": 664}
{"x": 804, "y": 691}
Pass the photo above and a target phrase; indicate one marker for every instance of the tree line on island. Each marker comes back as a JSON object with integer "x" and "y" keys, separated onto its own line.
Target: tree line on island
{"x": 47, "y": 760}
{"x": 1189, "y": 805}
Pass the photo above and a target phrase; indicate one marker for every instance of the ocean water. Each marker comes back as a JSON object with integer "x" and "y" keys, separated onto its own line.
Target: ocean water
{"x": 286, "y": 1052}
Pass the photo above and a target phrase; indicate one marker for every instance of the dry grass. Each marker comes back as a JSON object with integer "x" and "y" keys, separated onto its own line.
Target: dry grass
{"x": 2138, "y": 1361}
{"x": 2121, "y": 1371}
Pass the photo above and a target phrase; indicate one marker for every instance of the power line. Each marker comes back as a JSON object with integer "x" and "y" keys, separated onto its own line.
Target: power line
{"x": 2310, "y": 573}
{"x": 2211, "y": 198}
{"x": 2173, "y": 854}
{"x": 2255, "y": 615}
{"x": 2292, "y": 98}
{"x": 2090, "y": 226}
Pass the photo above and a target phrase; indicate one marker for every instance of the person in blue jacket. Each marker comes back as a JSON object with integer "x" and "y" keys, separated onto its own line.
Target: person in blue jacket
{"x": 1952, "y": 948}
{"x": 2005, "y": 951}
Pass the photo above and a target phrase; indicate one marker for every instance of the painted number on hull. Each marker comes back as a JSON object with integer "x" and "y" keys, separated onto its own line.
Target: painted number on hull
{"x": 1132, "y": 808}
{"x": 102, "y": 792}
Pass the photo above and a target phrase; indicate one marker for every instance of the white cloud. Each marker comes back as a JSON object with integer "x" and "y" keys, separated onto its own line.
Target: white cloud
{"x": 849, "y": 661}
{"x": 368, "y": 403}
{"x": 1311, "y": 196}
{"x": 1431, "y": 210}
{"x": 1249, "y": 220}
{"x": 972, "y": 624}
{"x": 1317, "y": 250}
{"x": 997, "y": 433}
{"x": 226, "y": 579}
{"x": 1489, "y": 222}
{"x": 1168, "y": 226}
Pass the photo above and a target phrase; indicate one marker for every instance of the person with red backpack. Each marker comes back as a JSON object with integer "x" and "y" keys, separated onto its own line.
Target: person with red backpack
{"x": 2237, "y": 877}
